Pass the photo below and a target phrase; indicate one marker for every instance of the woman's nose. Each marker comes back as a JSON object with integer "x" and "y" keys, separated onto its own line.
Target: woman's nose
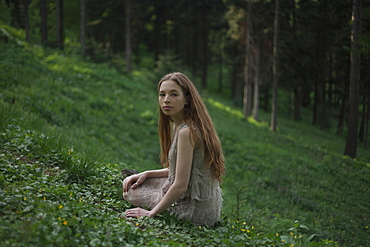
{"x": 166, "y": 99}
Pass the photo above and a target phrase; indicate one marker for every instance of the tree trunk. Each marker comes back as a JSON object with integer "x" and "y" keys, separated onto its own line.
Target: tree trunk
{"x": 315, "y": 103}
{"x": 16, "y": 19}
{"x": 157, "y": 33}
{"x": 367, "y": 119}
{"x": 204, "y": 43}
{"x": 204, "y": 59}
{"x": 247, "y": 97}
{"x": 44, "y": 25}
{"x": 330, "y": 86}
{"x": 128, "y": 35}
{"x": 60, "y": 26}
{"x": 83, "y": 26}
{"x": 26, "y": 3}
{"x": 297, "y": 89}
{"x": 342, "y": 115}
{"x": 256, "y": 97}
{"x": 297, "y": 103}
{"x": 220, "y": 69}
{"x": 237, "y": 80}
{"x": 361, "y": 132}
{"x": 266, "y": 98}
{"x": 322, "y": 62}
{"x": 323, "y": 115}
{"x": 194, "y": 41}
{"x": 273, "y": 124}
{"x": 351, "y": 142}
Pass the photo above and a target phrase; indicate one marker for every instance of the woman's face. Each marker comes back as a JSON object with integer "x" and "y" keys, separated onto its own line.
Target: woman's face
{"x": 172, "y": 100}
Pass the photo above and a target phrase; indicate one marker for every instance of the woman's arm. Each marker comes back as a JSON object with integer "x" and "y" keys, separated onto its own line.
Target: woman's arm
{"x": 133, "y": 181}
{"x": 156, "y": 173}
{"x": 183, "y": 169}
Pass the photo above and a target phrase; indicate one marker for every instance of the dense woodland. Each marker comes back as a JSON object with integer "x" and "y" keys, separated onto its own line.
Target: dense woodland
{"x": 315, "y": 51}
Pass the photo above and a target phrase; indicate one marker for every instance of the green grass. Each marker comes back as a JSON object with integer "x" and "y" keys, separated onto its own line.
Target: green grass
{"x": 68, "y": 126}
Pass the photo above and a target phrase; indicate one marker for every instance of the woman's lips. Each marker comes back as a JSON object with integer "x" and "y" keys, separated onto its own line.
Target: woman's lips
{"x": 167, "y": 108}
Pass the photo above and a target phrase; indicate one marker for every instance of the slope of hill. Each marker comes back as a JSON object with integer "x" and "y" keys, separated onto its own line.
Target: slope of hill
{"x": 69, "y": 126}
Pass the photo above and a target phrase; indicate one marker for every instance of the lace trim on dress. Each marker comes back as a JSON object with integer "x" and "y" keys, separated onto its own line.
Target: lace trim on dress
{"x": 200, "y": 212}
{"x": 203, "y": 185}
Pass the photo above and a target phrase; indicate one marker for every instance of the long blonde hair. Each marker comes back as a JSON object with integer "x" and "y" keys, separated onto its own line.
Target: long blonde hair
{"x": 196, "y": 116}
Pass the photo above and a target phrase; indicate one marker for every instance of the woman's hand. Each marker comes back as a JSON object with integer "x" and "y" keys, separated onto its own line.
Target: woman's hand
{"x": 132, "y": 182}
{"x": 137, "y": 212}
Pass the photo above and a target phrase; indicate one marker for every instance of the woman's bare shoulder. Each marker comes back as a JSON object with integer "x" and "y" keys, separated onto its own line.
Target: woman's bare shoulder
{"x": 184, "y": 131}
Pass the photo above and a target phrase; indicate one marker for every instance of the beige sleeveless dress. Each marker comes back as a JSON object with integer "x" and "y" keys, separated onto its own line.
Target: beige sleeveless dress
{"x": 201, "y": 203}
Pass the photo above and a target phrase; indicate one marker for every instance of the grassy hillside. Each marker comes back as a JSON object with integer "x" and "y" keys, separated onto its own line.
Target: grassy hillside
{"x": 69, "y": 126}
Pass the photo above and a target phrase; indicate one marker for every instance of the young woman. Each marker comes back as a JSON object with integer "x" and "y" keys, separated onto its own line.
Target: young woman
{"x": 191, "y": 153}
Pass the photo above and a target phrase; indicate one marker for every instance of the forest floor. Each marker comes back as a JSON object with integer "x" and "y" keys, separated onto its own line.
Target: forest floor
{"x": 68, "y": 126}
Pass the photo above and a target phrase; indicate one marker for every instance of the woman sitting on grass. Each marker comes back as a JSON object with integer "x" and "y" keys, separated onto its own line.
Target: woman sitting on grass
{"x": 189, "y": 186}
